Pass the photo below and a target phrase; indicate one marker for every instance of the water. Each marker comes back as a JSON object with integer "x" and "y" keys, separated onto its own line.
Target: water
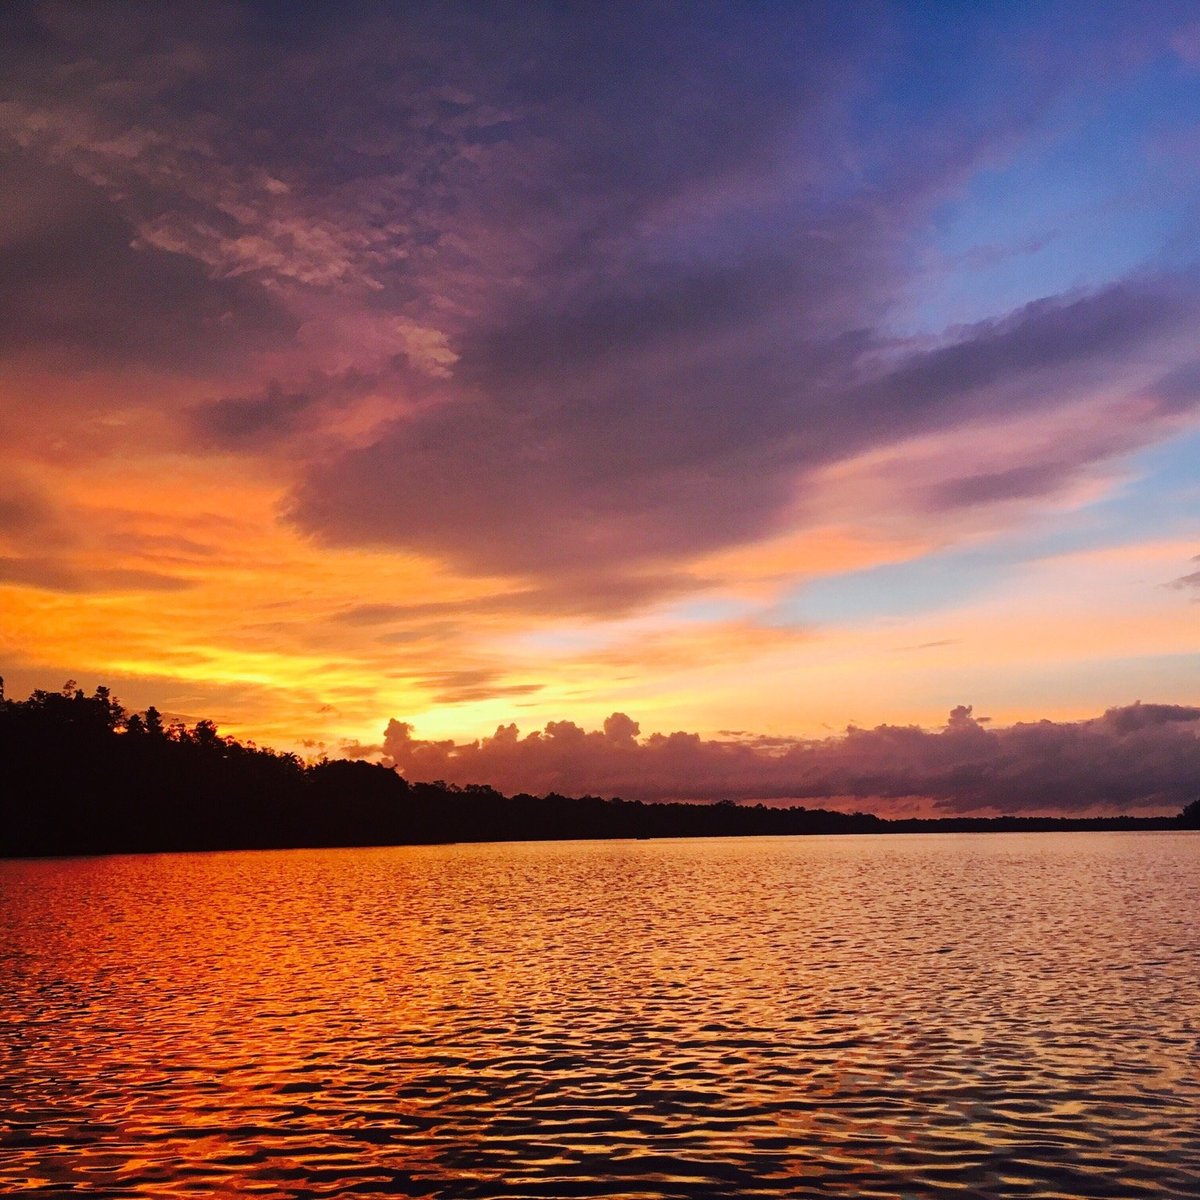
{"x": 975, "y": 1015}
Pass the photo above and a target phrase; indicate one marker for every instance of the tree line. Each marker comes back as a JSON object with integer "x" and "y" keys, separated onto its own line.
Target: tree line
{"x": 79, "y": 774}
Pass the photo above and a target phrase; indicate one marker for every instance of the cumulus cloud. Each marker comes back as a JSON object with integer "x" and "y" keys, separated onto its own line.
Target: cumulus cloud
{"x": 1137, "y": 757}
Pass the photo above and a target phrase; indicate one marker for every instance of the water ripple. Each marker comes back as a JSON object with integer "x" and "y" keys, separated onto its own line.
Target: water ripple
{"x": 945, "y": 1016}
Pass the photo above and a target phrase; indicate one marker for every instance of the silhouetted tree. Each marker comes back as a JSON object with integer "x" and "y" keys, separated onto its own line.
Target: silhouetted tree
{"x": 80, "y": 775}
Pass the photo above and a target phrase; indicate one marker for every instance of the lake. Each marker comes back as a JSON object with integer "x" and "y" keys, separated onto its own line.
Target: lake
{"x": 991, "y": 1015}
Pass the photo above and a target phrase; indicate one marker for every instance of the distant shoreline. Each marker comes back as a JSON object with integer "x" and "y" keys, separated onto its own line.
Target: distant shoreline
{"x": 805, "y": 822}
{"x": 1135, "y": 825}
{"x": 84, "y": 777}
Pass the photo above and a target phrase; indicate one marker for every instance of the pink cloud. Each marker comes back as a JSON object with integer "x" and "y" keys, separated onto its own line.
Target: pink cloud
{"x": 1142, "y": 756}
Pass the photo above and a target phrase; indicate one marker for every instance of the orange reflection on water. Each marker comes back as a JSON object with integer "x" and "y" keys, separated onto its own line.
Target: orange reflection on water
{"x": 759, "y": 1017}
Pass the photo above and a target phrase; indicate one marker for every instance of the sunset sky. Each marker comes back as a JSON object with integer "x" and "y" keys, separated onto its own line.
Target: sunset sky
{"x": 750, "y": 370}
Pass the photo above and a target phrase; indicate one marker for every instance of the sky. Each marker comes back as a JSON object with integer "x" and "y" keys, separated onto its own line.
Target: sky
{"x": 497, "y": 389}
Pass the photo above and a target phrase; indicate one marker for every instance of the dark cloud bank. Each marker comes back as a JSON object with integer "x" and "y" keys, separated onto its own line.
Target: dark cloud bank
{"x": 645, "y": 258}
{"x": 1139, "y": 757}
{"x": 598, "y": 468}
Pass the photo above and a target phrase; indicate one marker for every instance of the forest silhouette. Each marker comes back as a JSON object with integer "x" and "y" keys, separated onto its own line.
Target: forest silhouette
{"x": 81, "y": 775}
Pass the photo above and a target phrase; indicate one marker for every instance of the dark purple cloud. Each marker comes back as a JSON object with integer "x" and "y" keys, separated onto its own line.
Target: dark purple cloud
{"x": 655, "y": 353}
{"x": 1179, "y": 389}
{"x": 602, "y": 463}
{"x": 1043, "y": 354}
{"x": 244, "y": 422}
{"x": 75, "y": 281}
{"x": 275, "y": 415}
{"x": 621, "y": 280}
{"x": 1034, "y": 479}
{"x": 1142, "y": 756}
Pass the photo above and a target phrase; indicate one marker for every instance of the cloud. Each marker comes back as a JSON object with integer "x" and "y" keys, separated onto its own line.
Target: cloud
{"x": 563, "y": 312}
{"x": 1179, "y": 389}
{"x": 54, "y": 575}
{"x": 611, "y": 323}
{"x": 272, "y": 417}
{"x": 569, "y": 594}
{"x": 1186, "y": 582}
{"x": 1039, "y": 357}
{"x": 356, "y": 750}
{"x": 585, "y": 468}
{"x": 160, "y": 547}
{"x": 27, "y": 516}
{"x": 1141, "y": 756}
{"x": 1030, "y": 480}
{"x": 639, "y": 363}
{"x": 74, "y": 279}
{"x": 471, "y": 683}
{"x": 246, "y": 422}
